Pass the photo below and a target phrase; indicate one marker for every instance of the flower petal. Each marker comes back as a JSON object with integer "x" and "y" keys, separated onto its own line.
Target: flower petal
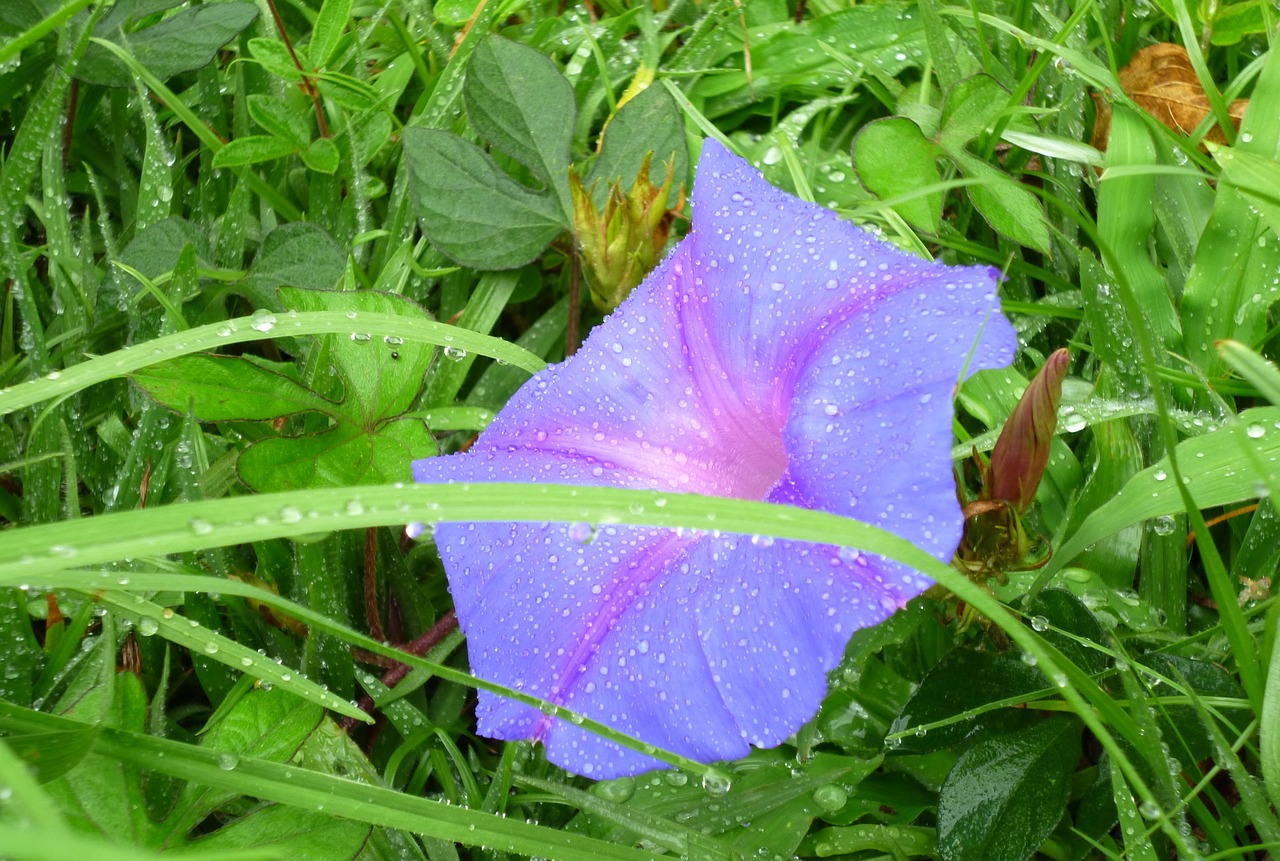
{"x": 778, "y": 354}
{"x": 644, "y": 629}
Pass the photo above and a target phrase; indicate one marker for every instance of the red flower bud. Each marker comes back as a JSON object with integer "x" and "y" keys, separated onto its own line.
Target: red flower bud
{"x": 1022, "y": 451}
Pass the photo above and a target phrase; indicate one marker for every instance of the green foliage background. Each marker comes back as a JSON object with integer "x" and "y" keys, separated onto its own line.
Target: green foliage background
{"x": 260, "y": 255}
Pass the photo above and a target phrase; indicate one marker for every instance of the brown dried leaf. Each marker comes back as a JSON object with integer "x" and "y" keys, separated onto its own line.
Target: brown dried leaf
{"x": 1161, "y": 80}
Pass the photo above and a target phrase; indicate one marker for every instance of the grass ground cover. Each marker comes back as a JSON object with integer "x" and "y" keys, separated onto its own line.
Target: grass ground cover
{"x": 243, "y": 294}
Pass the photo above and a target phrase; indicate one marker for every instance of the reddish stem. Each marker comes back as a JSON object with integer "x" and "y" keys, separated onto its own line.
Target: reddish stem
{"x": 392, "y": 677}
{"x": 307, "y": 87}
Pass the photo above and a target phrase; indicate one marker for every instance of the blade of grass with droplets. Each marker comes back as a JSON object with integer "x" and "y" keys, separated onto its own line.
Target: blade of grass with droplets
{"x": 150, "y": 618}
{"x": 1212, "y": 473}
{"x": 260, "y": 327}
{"x": 95, "y": 584}
{"x": 1261, "y": 372}
{"x": 41, "y": 550}
{"x": 488, "y": 299}
{"x": 337, "y": 796}
{"x": 1269, "y": 730}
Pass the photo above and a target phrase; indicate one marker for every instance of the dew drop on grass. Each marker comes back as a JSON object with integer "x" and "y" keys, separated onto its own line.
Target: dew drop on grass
{"x": 148, "y": 626}
{"x": 262, "y": 320}
{"x": 616, "y": 791}
{"x": 211, "y": 648}
{"x": 454, "y": 354}
{"x": 830, "y": 797}
{"x": 715, "y": 785}
{"x": 228, "y": 761}
{"x": 1164, "y": 525}
{"x": 1255, "y": 431}
{"x": 1039, "y": 624}
{"x": 200, "y": 526}
{"x": 675, "y": 778}
{"x": 1160, "y": 475}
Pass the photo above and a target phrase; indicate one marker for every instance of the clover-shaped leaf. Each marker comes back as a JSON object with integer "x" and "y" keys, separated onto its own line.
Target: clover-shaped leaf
{"x": 367, "y": 438}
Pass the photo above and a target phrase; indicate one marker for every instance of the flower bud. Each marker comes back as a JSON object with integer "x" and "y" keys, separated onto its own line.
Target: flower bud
{"x": 1022, "y": 451}
{"x": 621, "y": 245}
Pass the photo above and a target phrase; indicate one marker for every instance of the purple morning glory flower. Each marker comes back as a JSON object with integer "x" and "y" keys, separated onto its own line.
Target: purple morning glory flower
{"x": 777, "y": 354}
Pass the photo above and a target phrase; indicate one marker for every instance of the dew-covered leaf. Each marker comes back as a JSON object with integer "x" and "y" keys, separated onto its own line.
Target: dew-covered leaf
{"x": 381, "y": 375}
{"x": 1008, "y": 792}
{"x": 300, "y": 254}
{"x": 307, "y": 834}
{"x": 333, "y": 19}
{"x": 268, "y": 725}
{"x": 1214, "y": 472}
{"x": 972, "y": 106}
{"x": 252, "y": 149}
{"x": 960, "y": 688}
{"x": 1010, "y": 209}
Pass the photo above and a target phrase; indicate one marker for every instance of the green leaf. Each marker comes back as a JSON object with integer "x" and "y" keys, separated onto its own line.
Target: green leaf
{"x": 650, "y": 122}
{"x": 1233, "y": 22}
{"x": 107, "y": 793}
{"x": 304, "y": 834}
{"x": 19, "y": 15}
{"x": 327, "y": 33}
{"x": 1261, "y": 372}
{"x": 252, "y": 149}
{"x": 342, "y": 456}
{"x": 518, "y": 100}
{"x": 53, "y": 753}
{"x": 382, "y": 375}
{"x": 1232, "y": 283}
{"x": 155, "y": 250}
{"x": 455, "y": 13}
{"x": 1007, "y": 793}
{"x": 1126, "y": 222}
{"x": 182, "y": 42}
{"x": 321, "y": 156}
{"x": 973, "y": 106}
{"x": 275, "y": 58}
{"x": 1010, "y": 209}
{"x": 266, "y": 725}
{"x": 279, "y": 118}
{"x": 227, "y": 388}
{"x": 297, "y": 255}
{"x": 470, "y": 209}
{"x": 1256, "y": 177}
{"x": 767, "y": 810}
{"x": 1072, "y": 628}
{"x": 894, "y": 158}
{"x": 959, "y": 689}
{"x": 380, "y": 380}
